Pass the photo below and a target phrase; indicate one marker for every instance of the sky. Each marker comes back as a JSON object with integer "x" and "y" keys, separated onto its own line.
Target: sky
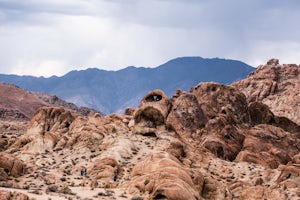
{"x": 53, "y": 37}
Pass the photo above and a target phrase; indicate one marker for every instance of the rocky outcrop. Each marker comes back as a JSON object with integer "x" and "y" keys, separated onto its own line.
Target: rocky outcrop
{"x": 227, "y": 113}
{"x": 186, "y": 115}
{"x": 46, "y": 128}
{"x": 213, "y": 142}
{"x": 275, "y": 85}
{"x": 163, "y": 176}
{"x": 261, "y": 114}
{"x": 268, "y": 146}
{"x": 11, "y": 165}
{"x": 221, "y": 100}
{"x": 153, "y": 109}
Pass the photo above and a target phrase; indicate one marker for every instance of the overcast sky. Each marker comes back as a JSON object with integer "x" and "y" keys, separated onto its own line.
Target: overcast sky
{"x": 47, "y": 37}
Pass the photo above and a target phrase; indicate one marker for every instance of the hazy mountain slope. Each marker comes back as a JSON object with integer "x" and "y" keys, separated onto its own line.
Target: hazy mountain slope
{"x": 16, "y": 103}
{"x": 112, "y": 91}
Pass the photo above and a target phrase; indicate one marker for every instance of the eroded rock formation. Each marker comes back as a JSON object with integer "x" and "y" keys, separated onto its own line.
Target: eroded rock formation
{"x": 275, "y": 85}
{"x": 214, "y": 142}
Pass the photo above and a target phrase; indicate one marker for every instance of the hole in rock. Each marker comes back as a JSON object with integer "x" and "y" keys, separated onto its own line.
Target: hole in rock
{"x": 155, "y": 97}
{"x": 6, "y": 170}
{"x": 151, "y": 116}
{"x": 220, "y": 152}
{"x": 150, "y": 134}
{"x": 160, "y": 196}
{"x": 67, "y": 125}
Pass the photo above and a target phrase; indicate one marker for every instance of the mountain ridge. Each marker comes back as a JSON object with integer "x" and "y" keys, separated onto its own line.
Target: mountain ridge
{"x": 113, "y": 91}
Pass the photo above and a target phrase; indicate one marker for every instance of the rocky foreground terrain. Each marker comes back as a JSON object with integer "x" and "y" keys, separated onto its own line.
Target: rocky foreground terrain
{"x": 214, "y": 142}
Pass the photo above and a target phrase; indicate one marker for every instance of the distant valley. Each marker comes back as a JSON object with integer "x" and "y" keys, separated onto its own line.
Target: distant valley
{"x": 113, "y": 91}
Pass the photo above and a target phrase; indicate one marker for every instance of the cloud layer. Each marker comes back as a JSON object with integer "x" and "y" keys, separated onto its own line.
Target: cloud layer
{"x": 53, "y": 37}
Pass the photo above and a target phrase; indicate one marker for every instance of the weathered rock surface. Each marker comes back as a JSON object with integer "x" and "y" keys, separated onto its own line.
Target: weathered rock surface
{"x": 153, "y": 109}
{"x": 186, "y": 115}
{"x": 214, "y": 142}
{"x": 227, "y": 113}
{"x": 11, "y": 165}
{"x": 261, "y": 114}
{"x": 275, "y": 85}
{"x": 269, "y": 146}
{"x": 163, "y": 176}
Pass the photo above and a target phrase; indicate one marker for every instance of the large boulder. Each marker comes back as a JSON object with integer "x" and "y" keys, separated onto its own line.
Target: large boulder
{"x": 268, "y": 146}
{"x": 227, "y": 115}
{"x": 46, "y": 128}
{"x": 11, "y": 165}
{"x": 261, "y": 114}
{"x": 221, "y": 100}
{"x": 186, "y": 115}
{"x": 163, "y": 176}
{"x": 153, "y": 109}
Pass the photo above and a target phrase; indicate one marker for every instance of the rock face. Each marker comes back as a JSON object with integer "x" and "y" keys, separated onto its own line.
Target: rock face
{"x": 275, "y": 85}
{"x": 153, "y": 109}
{"x": 214, "y": 142}
{"x": 186, "y": 115}
{"x": 262, "y": 146}
{"x": 227, "y": 113}
{"x": 163, "y": 176}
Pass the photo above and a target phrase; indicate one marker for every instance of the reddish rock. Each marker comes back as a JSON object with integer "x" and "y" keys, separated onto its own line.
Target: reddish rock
{"x": 261, "y": 114}
{"x": 227, "y": 113}
{"x": 11, "y": 165}
{"x": 186, "y": 115}
{"x": 268, "y": 146}
{"x": 104, "y": 168}
{"x": 153, "y": 109}
{"x": 221, "y": 100}
{"x": 21, "y": 105}
{"x": 129, "y": 111}
{"x": 162, "y": 176}
{"x": 275, "y": 85}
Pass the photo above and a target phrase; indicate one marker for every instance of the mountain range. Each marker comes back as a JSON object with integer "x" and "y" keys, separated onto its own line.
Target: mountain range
{"x": 113, "y": 91}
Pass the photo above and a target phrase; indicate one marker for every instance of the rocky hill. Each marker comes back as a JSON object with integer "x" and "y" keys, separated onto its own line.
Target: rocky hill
{"x": 113, "y": 91}
{"x": 214, "y": 142}
{"x": 275, "y": 85}
{"x": 19, "y": 104}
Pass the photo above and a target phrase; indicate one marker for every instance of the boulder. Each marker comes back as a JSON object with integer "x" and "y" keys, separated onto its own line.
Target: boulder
{"x": 268, "y": 146}
{"x": 186, "y": 115}
{"x": 46, "y": 128}
{"x": 221, "y": 100}
{"x": 261, "y": 114}
{"x": 11, "y": 165}
{"x": 153, "y": 109}
{"x": 227, "y": 115}
{"x": 163, "y": 176}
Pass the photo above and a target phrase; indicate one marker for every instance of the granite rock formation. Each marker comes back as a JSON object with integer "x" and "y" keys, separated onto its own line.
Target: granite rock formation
{"x": 275, "y": 85}
{"x": 214, "y": 142}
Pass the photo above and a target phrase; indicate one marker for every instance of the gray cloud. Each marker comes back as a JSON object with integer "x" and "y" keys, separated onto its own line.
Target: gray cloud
{"x": 52, "y": 37}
